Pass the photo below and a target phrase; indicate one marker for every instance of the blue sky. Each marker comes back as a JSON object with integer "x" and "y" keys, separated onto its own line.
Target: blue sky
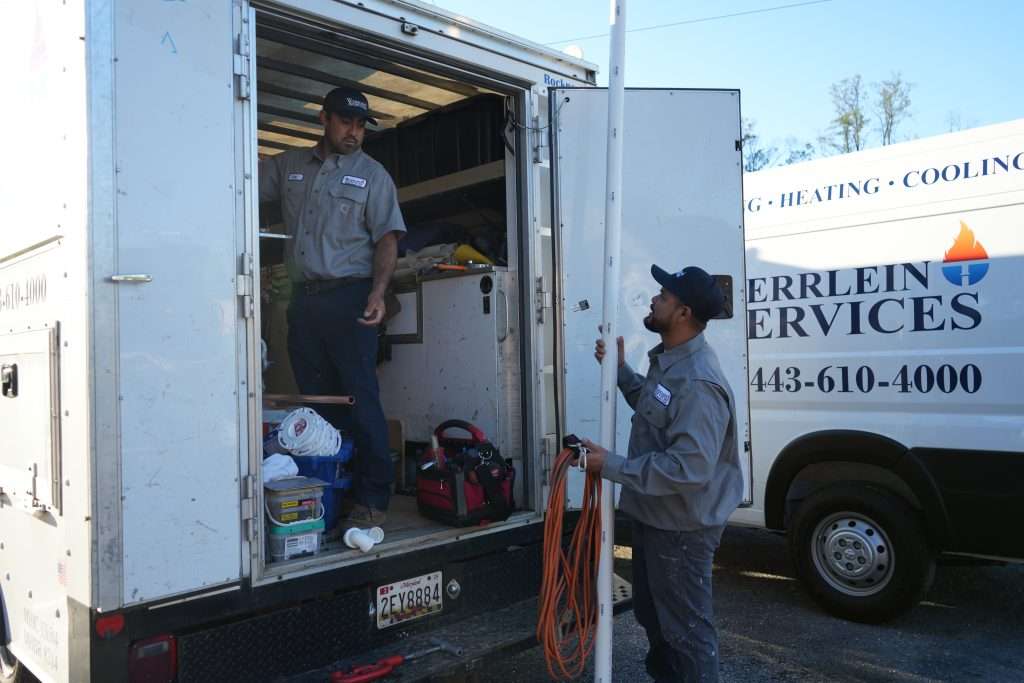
{"x": 963, "y": 58}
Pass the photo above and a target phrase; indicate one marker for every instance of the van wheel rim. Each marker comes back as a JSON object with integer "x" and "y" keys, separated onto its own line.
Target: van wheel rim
{"x": 7, "y": 663}
{"x": 853, "y": 554}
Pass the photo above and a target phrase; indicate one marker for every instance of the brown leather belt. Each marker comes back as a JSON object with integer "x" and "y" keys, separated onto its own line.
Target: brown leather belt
{"x": 318, "y": 286}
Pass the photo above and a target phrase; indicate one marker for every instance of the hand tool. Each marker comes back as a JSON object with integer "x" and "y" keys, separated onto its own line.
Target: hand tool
{"x": 384, "y": 667}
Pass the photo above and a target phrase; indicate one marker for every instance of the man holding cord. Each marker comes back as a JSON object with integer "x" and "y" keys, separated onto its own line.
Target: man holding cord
{"x": 681, "y": 478}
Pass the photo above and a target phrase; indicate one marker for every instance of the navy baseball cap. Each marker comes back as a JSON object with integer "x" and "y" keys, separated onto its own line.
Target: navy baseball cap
{"x": 348, "y": 102}
{"x": 695, "y": 288}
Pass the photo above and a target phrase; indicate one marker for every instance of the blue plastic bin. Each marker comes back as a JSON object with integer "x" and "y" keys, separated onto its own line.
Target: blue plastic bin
{"x": 329, "y": 468}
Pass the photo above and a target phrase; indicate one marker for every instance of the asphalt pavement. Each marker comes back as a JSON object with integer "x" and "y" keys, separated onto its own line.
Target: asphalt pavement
{"x": 970, "y": 627}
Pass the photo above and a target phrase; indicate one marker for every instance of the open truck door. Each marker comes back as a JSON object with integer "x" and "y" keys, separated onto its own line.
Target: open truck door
{"x": 682, "y": 205}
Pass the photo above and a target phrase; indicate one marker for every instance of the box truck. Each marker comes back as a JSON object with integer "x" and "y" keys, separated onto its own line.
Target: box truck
{"x": 139, "y": 279}
{"x": 886, "y": 329}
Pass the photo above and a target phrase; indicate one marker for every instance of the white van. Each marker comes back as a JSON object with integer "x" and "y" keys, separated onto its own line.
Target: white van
{"x": 138, "y": 276}
{"x": 886, "y": 328}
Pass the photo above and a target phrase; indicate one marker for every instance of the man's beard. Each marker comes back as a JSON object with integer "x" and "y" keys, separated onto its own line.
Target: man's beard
{"x": 346, "y": 146}
{"x": 651, "y": 324}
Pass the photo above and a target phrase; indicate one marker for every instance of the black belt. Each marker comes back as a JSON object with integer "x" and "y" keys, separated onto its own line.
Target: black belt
{"x": 318, "y": 286}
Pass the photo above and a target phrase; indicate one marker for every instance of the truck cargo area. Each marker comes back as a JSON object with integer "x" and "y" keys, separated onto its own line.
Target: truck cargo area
{"x": 449, "y": 142}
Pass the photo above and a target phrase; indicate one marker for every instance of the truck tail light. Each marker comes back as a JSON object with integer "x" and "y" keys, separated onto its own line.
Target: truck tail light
{"x": 109, "y": 626}
{"x": 154, "y": 660}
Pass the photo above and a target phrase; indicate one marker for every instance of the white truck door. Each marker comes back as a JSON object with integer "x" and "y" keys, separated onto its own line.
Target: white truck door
{"x": 682, "y": 205}
{"x": 179, "y": 322}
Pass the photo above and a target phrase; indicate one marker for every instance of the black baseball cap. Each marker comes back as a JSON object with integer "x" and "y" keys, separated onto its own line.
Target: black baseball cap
{"x": 695, "y": 288}
{"x": 348, "y": 102}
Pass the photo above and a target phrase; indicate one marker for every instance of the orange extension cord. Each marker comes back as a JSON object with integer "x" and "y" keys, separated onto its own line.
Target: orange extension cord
{"x": 568, "y": 598}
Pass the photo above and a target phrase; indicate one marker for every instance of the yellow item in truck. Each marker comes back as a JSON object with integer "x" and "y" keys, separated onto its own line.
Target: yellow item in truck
{"x": 465, "y": 253}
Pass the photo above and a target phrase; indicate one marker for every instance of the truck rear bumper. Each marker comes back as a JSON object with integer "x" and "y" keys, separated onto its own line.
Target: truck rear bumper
{"x": 483, "y": 638}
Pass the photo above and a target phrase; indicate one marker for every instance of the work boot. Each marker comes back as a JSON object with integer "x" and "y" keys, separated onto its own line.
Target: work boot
{"x": 362, "y": 516}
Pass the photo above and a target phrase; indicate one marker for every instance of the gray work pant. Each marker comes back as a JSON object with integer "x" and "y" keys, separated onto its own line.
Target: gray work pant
{"x": 672, "y": 601}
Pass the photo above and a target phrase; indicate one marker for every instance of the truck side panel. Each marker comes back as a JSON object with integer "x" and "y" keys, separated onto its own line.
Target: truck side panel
{"x": 177, "y": 359}
{"x": 45, "y": 501}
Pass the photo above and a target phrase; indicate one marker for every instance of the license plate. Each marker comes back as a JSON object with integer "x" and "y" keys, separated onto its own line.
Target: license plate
{"x": 409, "y": 599}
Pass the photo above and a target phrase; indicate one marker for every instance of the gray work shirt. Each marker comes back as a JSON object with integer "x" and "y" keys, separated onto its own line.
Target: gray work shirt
{"x": 336, "y": 209}
{"x": 682, "y": 472}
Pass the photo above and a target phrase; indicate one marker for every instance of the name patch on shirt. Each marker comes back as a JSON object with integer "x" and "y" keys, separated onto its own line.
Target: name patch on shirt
{"x": 353, "y": 180}
{"x": 663, "y": 395}
{"x": 295, "y": 176}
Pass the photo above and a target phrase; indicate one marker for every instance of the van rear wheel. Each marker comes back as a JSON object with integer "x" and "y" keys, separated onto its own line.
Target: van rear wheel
{"x": 13, "y": 671}
{"x": 861, "y": 552}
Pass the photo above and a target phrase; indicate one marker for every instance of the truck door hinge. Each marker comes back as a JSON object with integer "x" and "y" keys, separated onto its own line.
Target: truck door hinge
{"x": 245, "y": 286}
{"x": 248, "y": 504}
{"x": 548, "y": 447}
{"x": 242, "y": 62}
{"x": 542, "y": 300}
{"x": 540, "y": 140}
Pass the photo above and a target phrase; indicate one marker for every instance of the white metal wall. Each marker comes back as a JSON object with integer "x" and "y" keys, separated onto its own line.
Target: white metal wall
{"x": 44, "y": 551}
{"x": 177, "y": 335}
{"x": 681, "y": 206}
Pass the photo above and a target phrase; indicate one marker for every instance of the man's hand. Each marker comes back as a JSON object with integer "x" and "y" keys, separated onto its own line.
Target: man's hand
{"x": 374, "y": 312}
{"x": 595, "y": 456}
{"x": 599, "y": 350}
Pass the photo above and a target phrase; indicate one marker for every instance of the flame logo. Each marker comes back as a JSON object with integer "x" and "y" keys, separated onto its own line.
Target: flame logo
{"x": 965, "y": 248}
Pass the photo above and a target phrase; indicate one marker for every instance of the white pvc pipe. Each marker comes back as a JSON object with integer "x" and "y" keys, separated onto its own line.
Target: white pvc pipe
{"x": 363, "y": 539}
{"x": 609, "y": 327}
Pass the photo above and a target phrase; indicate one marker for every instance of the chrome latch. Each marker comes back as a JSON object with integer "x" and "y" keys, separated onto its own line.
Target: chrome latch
{"x": 9, "y": 378}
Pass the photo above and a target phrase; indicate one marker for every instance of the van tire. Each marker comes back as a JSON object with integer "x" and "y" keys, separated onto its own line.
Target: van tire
{"x": 861, "y": 552}
{"x": 12, "y": 670}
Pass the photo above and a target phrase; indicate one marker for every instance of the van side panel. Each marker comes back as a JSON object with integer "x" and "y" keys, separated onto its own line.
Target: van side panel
{"x": 884, "y": 298}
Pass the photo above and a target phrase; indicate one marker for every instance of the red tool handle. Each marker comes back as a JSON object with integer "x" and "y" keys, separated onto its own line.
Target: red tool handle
{"x": 475, "y": 433}
{"x": 368, "y": 672}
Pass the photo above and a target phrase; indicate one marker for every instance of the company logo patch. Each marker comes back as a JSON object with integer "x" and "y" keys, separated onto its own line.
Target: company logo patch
{"x": 965, "y": 248}
{"x": 295, "y": 176}
{"x": 663, "y": 395}
{"x": 353, "y": 180}
{"x": 358, "y": 104}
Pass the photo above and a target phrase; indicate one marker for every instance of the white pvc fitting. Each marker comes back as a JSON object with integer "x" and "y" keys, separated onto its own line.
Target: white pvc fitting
{"x": 364, "y": 539}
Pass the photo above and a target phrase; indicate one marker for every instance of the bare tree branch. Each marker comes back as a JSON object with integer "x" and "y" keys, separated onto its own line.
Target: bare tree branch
{"x": 755, "y": 157}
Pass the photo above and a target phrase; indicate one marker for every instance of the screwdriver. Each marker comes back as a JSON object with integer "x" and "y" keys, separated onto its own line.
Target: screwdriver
{"x": 384, "y": 667}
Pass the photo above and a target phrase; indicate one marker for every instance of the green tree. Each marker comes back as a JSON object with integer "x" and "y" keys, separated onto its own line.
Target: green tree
{"x": 847, "y": 132}
{"x": 892, "y": 106}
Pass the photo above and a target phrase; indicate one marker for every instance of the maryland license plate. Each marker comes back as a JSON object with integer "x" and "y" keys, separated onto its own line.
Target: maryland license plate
{"x": 409, "y": 599}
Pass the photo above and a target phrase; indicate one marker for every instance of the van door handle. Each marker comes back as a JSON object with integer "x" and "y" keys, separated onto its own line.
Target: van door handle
{"x": 135, "y": 278}
{"x": 502, "y": 315}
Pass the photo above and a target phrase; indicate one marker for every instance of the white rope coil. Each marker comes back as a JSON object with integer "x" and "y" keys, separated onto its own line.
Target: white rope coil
{"x": 304, "y": 432}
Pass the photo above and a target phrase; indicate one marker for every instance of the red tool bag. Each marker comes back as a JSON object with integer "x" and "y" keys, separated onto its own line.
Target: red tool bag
{"x": 464, "y": 482}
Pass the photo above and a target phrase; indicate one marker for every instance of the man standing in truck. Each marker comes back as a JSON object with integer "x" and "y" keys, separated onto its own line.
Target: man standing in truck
{"x": 340, "y": 208}
{"x": 681, "y": 478}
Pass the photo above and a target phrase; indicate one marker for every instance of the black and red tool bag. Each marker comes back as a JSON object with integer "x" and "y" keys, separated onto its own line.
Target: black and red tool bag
{"x": 465, "y": 481}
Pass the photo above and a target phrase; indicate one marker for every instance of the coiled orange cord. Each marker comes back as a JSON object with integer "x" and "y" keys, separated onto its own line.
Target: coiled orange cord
{"x": 568, "y": 598}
